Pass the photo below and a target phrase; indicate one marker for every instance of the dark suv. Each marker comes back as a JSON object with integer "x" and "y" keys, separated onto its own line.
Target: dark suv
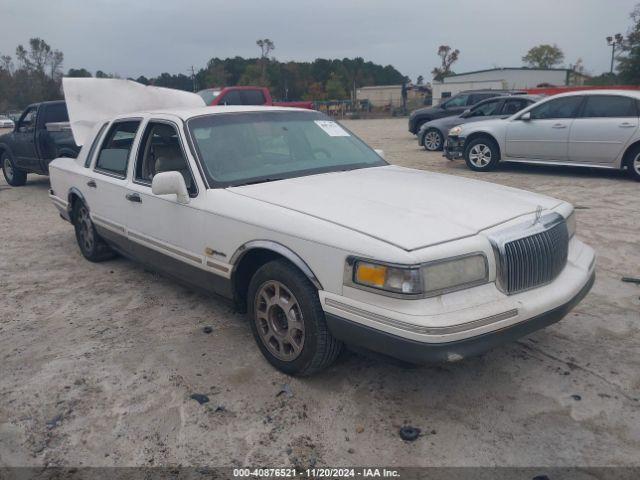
{"x": 452, "y": 106}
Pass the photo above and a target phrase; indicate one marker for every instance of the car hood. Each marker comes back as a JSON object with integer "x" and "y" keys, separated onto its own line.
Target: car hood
{"x": 408, "y": 208}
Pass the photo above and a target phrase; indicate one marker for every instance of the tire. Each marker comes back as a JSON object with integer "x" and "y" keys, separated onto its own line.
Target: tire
{"x": 92, "y": 246}
{"x": 433, "y": 140}
{"x": 633, "y": 164}
{"x": 14, "y": 176}
{"x": 288, "y": 322}
{"x": 482, "y": 154}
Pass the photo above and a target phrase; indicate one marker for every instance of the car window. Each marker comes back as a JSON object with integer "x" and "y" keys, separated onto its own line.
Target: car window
{"x": 258, "y": 146}
{"x": 609, "y": 106}
{"x": 478, "y": 97}
{"x": 457, "y": 101}
{"x": 94, "y": 145}
{"x": 208, "y": 95}
{"x": 252, "y": 97}
{"x": 514, "y": 105}
{"x": 231, "y": 98}
{"x": 113, "y": 157}
{"x": 56, "y": 112}
{"x": 27, "y": 122}
{"x": 485, "y": 109}
{"x": 161, "y": 151}
{"x": 566, "y": 107}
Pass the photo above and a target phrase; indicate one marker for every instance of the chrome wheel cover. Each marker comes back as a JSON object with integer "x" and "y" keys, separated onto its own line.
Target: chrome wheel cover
{"x": 85, "y": 229}
{"x": 636, "y": 164}
{"x": 432, "y": 140}
{"x": 278, "y": 319}
{"x": 8, "y": 168}
{"x": 480, "y": 155}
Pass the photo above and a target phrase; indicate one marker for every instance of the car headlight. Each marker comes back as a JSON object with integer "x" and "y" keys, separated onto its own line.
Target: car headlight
{"x": 426, "y": 280}
{"x": 571, "y": 224}
{"x": 455, "y": 131}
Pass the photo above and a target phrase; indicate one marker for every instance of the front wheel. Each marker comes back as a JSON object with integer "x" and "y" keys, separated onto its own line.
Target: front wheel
{"x": 482, "y": 154}
{"x": 12, "y": 174}
{"x": 433, "y": 140}
{"x": 634, "y": 165}
{"x": 288, "y": 322}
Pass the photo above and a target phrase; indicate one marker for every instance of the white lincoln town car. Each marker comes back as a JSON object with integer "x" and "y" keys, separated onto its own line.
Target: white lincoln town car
{"x": 307, "y": 229}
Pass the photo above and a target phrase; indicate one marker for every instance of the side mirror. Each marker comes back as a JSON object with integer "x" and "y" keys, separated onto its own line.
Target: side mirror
{"x": 379, "y": 152}
{"x": 525, "y": 116}
{"x": 466, "y": 113}
{"x": 168, "y": 183}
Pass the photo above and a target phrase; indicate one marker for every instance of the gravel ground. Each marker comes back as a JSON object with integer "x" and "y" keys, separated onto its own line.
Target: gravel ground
{"x": 98, "y": 361}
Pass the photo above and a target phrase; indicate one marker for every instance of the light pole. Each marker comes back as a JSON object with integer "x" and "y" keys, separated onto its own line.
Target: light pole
{"x": 614, "y": 42}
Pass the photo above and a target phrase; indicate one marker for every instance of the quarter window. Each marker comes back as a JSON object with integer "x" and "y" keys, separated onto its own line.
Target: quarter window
{"x": 559, "y": 108}
{"x": 609, "y": 106}
{"x": 114, "y": 153}
{"x": 161, "y": 151}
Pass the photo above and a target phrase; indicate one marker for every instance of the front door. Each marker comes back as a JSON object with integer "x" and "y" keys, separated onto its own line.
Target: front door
{"x": 164, "y": 233}
{"x": 602, "y": 130}
{"x": 545, "y": 136}
{"x": 24, "y": 146}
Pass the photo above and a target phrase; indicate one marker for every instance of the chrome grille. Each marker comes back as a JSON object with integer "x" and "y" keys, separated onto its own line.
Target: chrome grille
{"x": 535, "y": 259}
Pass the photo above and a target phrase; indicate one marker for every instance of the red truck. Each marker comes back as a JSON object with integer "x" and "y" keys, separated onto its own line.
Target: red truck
{"x": 246, "y": 96}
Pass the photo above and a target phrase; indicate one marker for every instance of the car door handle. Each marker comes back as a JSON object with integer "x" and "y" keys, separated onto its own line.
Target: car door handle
{"x": 626, "y": 125}
{"x": 133, "y": 197}
{"x": 92, "y": 184}
{"x": 559, "y": 125}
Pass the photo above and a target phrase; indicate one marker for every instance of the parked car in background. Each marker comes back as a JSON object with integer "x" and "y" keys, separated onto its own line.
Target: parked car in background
{"x": 596, "y": 128}
{"x": 6, "y": 122}
{"x": 316, "y": 237}
{"x": 41, "y": 134}
{"x": 433, "y": 134}
{"x": 451, "y": 107}
{"x": 246, "y": 96}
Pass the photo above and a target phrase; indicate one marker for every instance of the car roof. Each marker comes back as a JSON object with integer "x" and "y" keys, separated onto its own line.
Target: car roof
{"x": 187, "y": 113}
{"x": 623, "y": 92}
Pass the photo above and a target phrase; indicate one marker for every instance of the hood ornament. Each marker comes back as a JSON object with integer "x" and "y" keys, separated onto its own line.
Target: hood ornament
{"x": 538, "y": 215}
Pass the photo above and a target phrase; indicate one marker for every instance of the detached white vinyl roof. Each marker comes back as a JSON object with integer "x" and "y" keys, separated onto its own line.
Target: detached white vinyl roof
{"x": 91, "y": 101}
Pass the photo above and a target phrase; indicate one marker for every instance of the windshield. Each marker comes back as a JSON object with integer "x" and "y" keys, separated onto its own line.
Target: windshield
{"x": 241, "y": 148}
{"x": 209, "y": 95}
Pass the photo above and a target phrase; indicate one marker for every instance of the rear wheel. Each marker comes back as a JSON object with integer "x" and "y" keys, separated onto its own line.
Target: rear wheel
{"x": 92, "y": 246}
{"x": 482, "y": 154}
{"x": 12, "y": 174}
{"x": 633, "y": 164}
{"x": 288, "y": 322}
{"x": 433, "y": 140}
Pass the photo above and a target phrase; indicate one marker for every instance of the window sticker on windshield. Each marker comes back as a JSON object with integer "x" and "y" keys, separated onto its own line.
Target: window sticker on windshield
{"x": 332, "y": 128}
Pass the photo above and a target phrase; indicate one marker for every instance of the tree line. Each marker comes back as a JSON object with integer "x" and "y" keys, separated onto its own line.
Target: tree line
{"x": 35, "y": 75}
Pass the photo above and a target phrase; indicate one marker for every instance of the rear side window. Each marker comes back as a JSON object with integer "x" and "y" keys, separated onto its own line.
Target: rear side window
{"x": 231, "y": 98}
{"x": 252, "y": 97}
{"x": 55, "y": 113}
{"x": 94, "y": 145}
{"x": 599, "y": 106}
{"x": 113, "y": 157}
{"x": 566, "y": 107}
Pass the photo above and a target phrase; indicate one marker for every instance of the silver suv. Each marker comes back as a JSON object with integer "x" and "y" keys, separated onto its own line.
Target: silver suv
{"x": 595, "y": 128}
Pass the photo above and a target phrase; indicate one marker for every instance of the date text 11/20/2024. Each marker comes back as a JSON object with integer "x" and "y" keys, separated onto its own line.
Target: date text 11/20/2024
{"x": 315, "y": 473}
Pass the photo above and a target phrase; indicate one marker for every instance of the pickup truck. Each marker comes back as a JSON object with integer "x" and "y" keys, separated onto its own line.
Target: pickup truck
{"x": 246, "y": 96}
{"x": 41, "y": 134}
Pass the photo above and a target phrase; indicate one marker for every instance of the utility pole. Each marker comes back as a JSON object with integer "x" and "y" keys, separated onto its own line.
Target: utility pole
{"x": 193, "y": 77}
{"x": 614, "y": 42}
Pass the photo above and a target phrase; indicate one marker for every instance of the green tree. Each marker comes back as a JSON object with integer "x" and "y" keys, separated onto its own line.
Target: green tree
{"x": 629, "y": 60}
{"x": 79, "y": 72}
{"x": 335, "y": 89}
{"x": 543, "y": 56}
{"x": 448, "y": 57}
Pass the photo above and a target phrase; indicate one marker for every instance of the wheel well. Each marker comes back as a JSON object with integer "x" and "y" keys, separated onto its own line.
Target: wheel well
{"x": 626, "y": 158}
{"x": 476, "y": 135}
{"x": 74, "y": 198}
{"x": 247, "y": 267}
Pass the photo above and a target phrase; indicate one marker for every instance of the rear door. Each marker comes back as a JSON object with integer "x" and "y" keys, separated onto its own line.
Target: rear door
{"x": 605, "y": 125}
{"x": 546, "y": 135}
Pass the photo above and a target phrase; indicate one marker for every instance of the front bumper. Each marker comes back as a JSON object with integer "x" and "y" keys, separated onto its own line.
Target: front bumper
{"x": 419, "y": 352}
{"x": 453, "y": 147}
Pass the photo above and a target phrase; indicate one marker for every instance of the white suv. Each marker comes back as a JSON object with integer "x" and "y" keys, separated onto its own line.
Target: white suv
{"x": 596, "y": 128}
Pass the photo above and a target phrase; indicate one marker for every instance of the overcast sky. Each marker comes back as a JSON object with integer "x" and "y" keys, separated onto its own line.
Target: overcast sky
{"x": 140, "y": 37}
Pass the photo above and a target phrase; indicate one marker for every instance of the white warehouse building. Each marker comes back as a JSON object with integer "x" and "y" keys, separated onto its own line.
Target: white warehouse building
{"x": 506, "y": 79}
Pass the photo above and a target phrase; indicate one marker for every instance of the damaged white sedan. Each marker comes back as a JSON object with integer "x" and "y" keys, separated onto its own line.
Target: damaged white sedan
{"x": 315, "y": 236}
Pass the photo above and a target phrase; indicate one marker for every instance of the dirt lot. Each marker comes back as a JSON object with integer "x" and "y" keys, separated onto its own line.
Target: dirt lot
{"x": 98, "y": 361}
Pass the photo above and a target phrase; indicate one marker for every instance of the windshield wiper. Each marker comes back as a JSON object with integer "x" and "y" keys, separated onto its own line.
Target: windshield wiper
{"x": 254, "y": 182}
